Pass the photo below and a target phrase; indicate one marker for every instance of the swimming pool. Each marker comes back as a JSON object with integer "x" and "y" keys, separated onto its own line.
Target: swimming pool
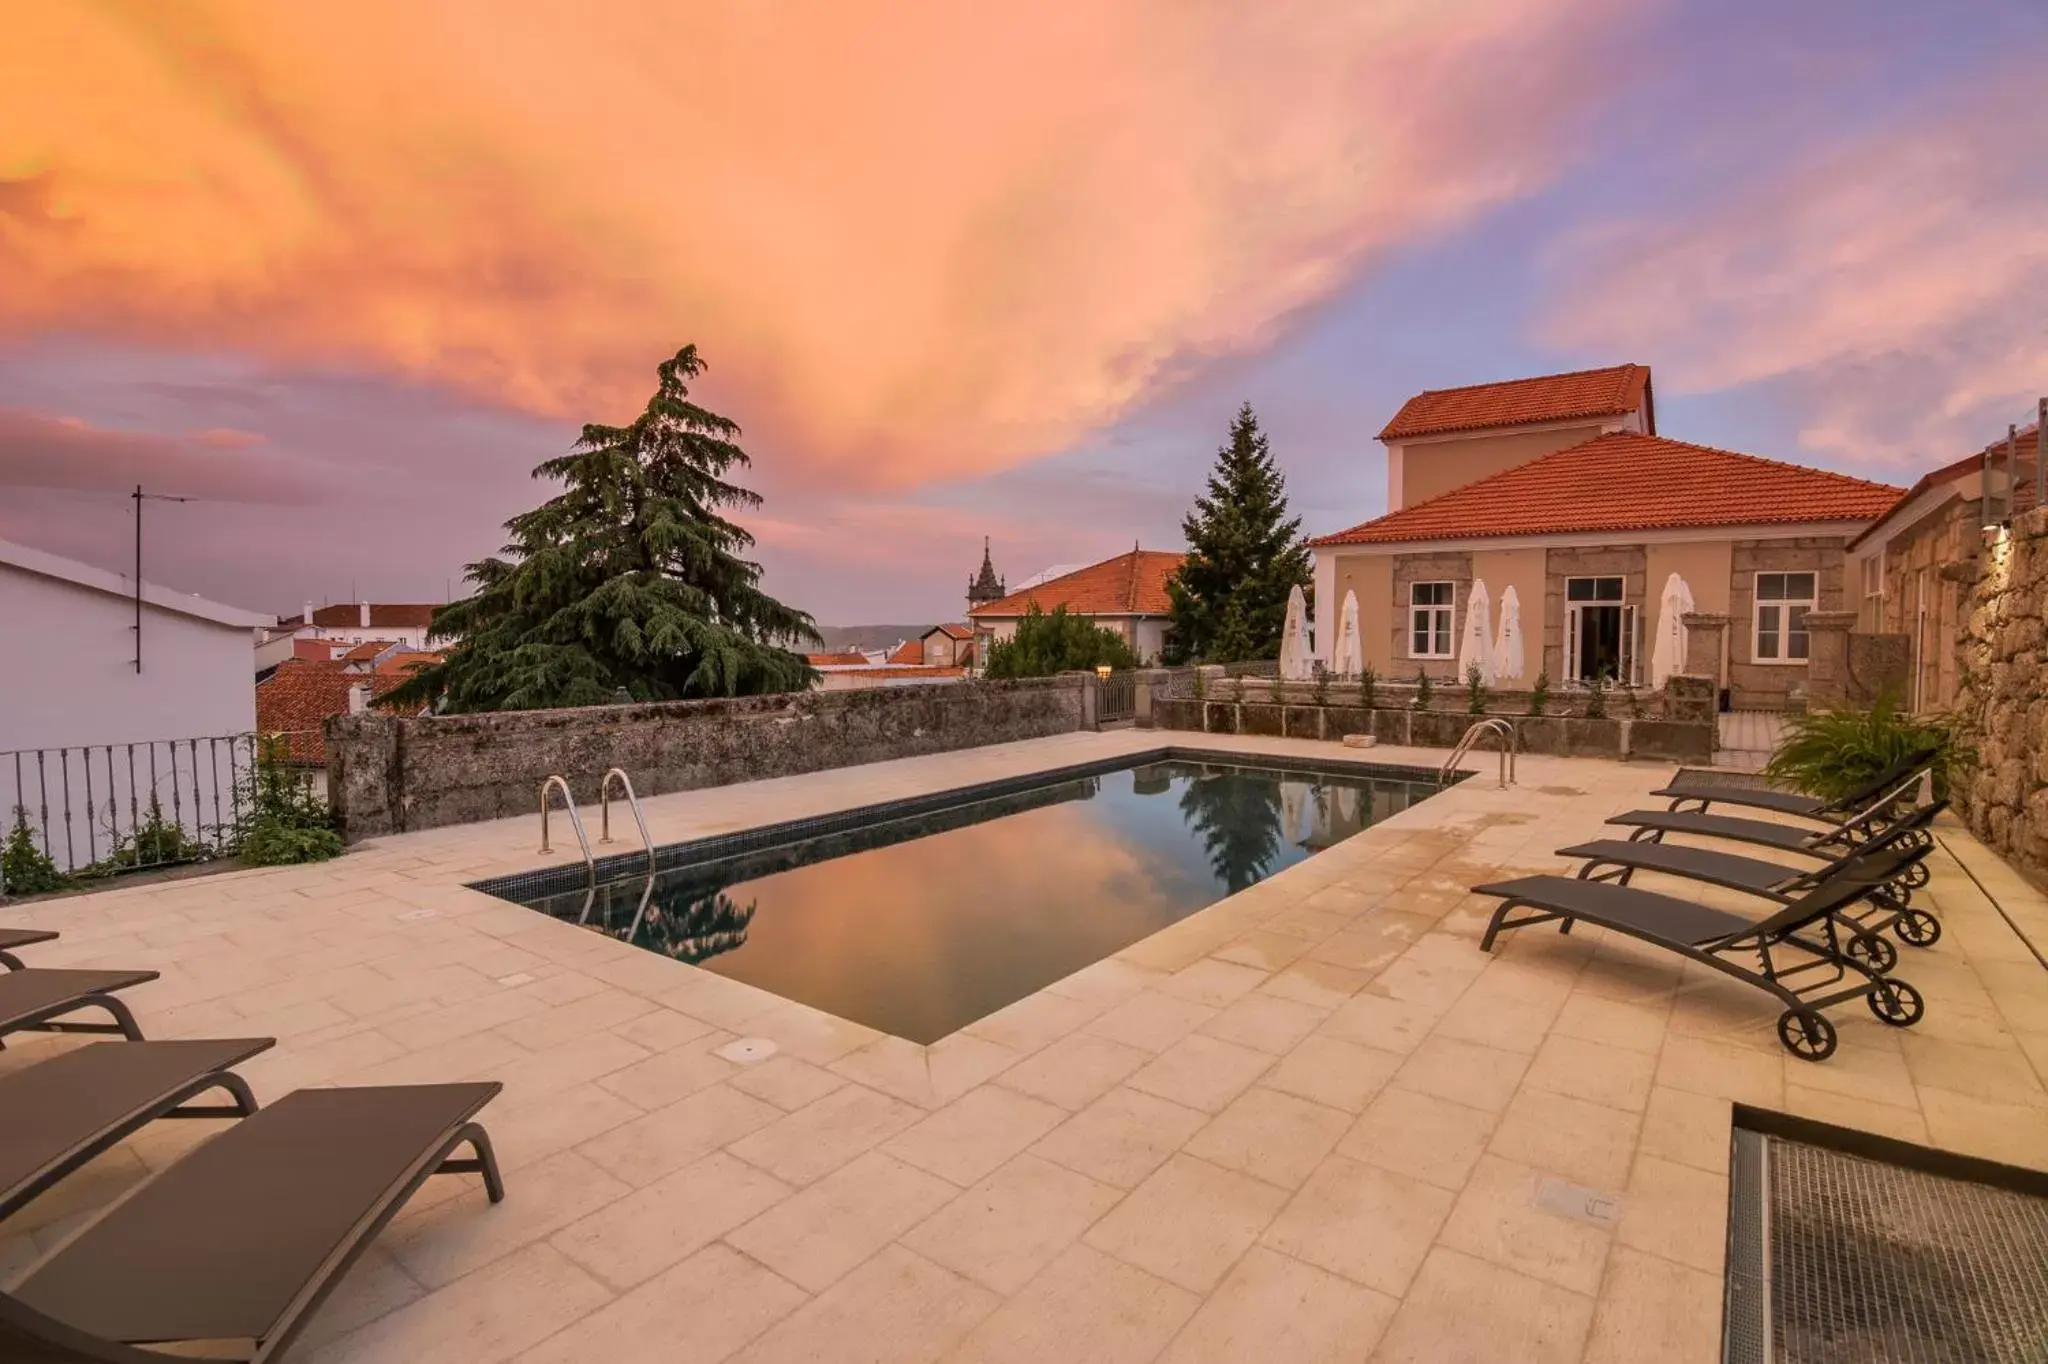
{"x": 918, "y": 917}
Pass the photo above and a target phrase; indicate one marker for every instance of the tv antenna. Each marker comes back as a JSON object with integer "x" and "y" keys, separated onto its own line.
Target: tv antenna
{"x": 140, "y": 497}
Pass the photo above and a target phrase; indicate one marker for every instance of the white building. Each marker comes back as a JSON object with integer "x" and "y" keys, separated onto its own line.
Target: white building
{"x": 69, "y": 656}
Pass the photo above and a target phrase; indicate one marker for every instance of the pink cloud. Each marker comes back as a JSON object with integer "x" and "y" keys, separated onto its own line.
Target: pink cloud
{"x": 43, "y": 451}
{"x": 922, "y": 238}
{"x": 1896, "y": 285}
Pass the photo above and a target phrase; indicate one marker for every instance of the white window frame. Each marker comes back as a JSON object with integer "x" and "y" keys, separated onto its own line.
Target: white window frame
{"x": 1448, "y": 610}
{"x": 1631, "y": 661}
{"x": 1784, "y": 606}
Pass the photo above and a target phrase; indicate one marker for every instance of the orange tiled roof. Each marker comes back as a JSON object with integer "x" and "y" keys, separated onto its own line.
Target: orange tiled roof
{"x": 951, "y": 629}
{"x": 1626, "y": 482}
{"x": 1132, "y": 584}
{"x": 1546, "y": 398}
{"x": 296, "y": 700}
{"x": 836, "y": 660}
{"x": 368, "y": 650}
{"x": 909, "y": 651}
{"x": 404, "y": 662}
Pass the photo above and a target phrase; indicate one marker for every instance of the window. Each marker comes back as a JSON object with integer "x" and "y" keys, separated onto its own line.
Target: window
{"x": 1429, "y": 619}
{"x": 1602, "y": 636}
{"x": 1782, "y": 601}
{"x": 1870, "y": 569}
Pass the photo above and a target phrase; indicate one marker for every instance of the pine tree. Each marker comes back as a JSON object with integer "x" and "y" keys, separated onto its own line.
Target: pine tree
{"x": 629, "y": 579}
{"x": 1244, "y": 555}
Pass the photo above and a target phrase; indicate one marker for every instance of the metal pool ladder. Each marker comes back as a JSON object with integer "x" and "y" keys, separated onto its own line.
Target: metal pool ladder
{"x": 575, "y": 820}
{"x": 604, "y": 812}
{"x": 1479, "y": 729}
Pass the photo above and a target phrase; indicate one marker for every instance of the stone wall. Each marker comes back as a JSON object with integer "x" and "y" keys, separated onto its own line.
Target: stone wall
{"x": 2002, "y": 695}
{"x": 387, "y": 774}
{"x": 1775, "y": 686}
{"x": 1626, "y": 562}
{"x": 1451, "y": 567}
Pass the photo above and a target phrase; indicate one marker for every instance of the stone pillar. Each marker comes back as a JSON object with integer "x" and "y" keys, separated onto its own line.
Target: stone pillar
{"x": 1705, "y": 637}
{"x": 1091, "y": 701}
{"x": 1827, "y": 657}
{"x": 1146, "y": 685}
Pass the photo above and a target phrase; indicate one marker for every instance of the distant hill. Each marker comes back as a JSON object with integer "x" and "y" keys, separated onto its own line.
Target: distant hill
{"x": 839, "y": 637}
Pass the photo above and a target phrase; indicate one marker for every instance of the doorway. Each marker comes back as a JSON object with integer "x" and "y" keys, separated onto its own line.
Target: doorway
{"x": 1602, "y": 634}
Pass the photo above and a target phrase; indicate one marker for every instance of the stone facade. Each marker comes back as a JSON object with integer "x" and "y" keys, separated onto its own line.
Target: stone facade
{"x": 2002, "y": 695}
{"x": 1769, "y": 686}
{"x": 1410, "y": 569}
{"x": 1927, "y": 569}
{"x": 1628, "y": 562}
{"x": 387, "y": 775}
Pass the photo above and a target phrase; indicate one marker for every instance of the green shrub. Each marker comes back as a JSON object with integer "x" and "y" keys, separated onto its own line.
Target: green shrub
{"x": 1596, "y": 698}
{"x": 1369, "y": 689}
{"x": 1475, "y": 691}
{"x": 1830, "y": 753}
{"x": 1422, "y": 693}
{"x": 283, "y": 821}
{"x": 24, "y": 868}
{"x": 156, "y": 842}
{"x": 1047, "y": 644}
{"x": 1540, "y": 696}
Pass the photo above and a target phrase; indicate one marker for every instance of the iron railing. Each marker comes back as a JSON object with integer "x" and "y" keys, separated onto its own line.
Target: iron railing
{"x": 1116, "y": 698}
{"x": 110, "y": 808}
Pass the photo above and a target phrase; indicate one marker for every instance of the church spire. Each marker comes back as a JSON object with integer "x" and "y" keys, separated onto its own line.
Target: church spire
{"x": 985, "y": 586}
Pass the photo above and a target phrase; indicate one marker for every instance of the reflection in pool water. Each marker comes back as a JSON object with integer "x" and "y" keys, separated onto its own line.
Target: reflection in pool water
{"x": 919, "y": 925}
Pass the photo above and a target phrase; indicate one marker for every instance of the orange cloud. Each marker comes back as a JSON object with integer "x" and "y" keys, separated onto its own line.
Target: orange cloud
{"x": 1897, "y": 283}
{"x": 923, "y": 237}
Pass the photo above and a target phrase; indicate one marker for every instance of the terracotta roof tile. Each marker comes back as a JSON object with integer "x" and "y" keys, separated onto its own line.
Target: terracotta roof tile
{"x": 1132, "y": 584}
{"x": 1627, "y": 482}
{"x": 1546, "y": 398}
{"x": 405, "y": 662}
{"x": 348, "y": 615}
{"x": 368, "y": 649}
{"x": 296, "y": 700}
{"x": 836, "y": 660}
{"x": 954, "y": 629}
{"x": 909, "y": 651}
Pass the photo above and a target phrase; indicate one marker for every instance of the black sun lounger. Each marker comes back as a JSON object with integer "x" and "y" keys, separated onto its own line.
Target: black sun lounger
{"x": 62, "y": 1112}
{"x": 231, "y": 1249}
{"x": 1887, "y": 906}
{"x": 1728, "y": 942}
{"x": 1866, "y": 825}
{"x": 1690, "y": 787}
{"x": 12, "y": 938}
{"x": 37, "y": 998}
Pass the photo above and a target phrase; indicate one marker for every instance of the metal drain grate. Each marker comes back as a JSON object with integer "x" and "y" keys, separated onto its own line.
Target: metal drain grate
{"x": 1870, "y": 1261}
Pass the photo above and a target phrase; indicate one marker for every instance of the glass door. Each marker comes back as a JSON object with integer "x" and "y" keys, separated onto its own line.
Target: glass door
{"x": 1601, "y": 635}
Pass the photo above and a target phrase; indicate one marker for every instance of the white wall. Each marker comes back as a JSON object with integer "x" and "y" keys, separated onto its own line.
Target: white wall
{"x": 67, "y": 669}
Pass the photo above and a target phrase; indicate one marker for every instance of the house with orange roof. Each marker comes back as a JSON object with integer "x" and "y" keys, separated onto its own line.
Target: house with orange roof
{"x": 1126, "y": 594}
{"x": 1897, "y": 561}
{"x": 1561, "y": 487}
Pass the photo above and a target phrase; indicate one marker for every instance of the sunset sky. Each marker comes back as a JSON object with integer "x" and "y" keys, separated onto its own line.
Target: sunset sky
{"x": 344, "y": 271}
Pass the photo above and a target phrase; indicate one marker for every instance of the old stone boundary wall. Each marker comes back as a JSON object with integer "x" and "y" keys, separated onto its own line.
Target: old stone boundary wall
{"x": 2002, "y": 695}
{"x": 387, "y": 775}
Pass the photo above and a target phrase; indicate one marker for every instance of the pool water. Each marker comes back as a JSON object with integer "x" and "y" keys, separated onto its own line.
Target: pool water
{"x": 917, "y": 925}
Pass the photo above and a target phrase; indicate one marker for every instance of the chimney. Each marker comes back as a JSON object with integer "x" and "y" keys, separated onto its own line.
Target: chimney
{"x": 358, "y": 697}
{"x": 307, "y": 619}
{"x": 365, "y": 614}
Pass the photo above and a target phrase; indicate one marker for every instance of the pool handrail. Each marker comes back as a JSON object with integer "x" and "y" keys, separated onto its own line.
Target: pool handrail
{"x": 1494, "y": 725}
{"x": 604, "y": 812}
{"x": 575, "y": 820}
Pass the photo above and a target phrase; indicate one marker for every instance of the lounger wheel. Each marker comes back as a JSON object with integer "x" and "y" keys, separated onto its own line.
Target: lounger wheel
{"x": 1807, "y": 1034}
{"x": 1919, "y": 928}
{"x": 1873, "y": 951}
{"x": 1916, "y": 876}
{"x": 1896, "y": 1003}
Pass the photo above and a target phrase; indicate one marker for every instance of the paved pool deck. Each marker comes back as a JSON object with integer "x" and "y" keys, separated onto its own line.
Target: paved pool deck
{"x": 1312, "y": 1122}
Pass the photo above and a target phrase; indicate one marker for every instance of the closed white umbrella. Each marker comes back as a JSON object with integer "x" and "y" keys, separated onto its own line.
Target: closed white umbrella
{"x": 1478, "y": 648}
{"x": 1349, "y": 658}
{"x": 1507, "y": 645}
{"x": 1294, "y": 650}
{"x": 1667, "y": 656}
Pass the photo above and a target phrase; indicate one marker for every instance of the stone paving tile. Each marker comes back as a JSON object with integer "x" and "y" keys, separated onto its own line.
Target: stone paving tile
{"x": 701, "y": 1310}
{"x": 1084, "y": 1305}
{"x": 1121, "y": 1137}
{"x": 1333, "y": 1027}
{"x": 1012, "y": 1224}
{"x": 1188, "y": 1223}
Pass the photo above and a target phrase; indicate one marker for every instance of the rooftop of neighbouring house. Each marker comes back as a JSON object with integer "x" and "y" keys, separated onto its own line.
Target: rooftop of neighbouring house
{"x": 910, "y": 651}
{"x": 383, "y": 615}
{"x": 839, "y": 660}
{"x": 297, "y": 698}
{"x": 1131, "y": 584}
{"x": 1611, "y": 392}
{"x": 1628, "y": 482}
{"x": 950, "y": 629}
